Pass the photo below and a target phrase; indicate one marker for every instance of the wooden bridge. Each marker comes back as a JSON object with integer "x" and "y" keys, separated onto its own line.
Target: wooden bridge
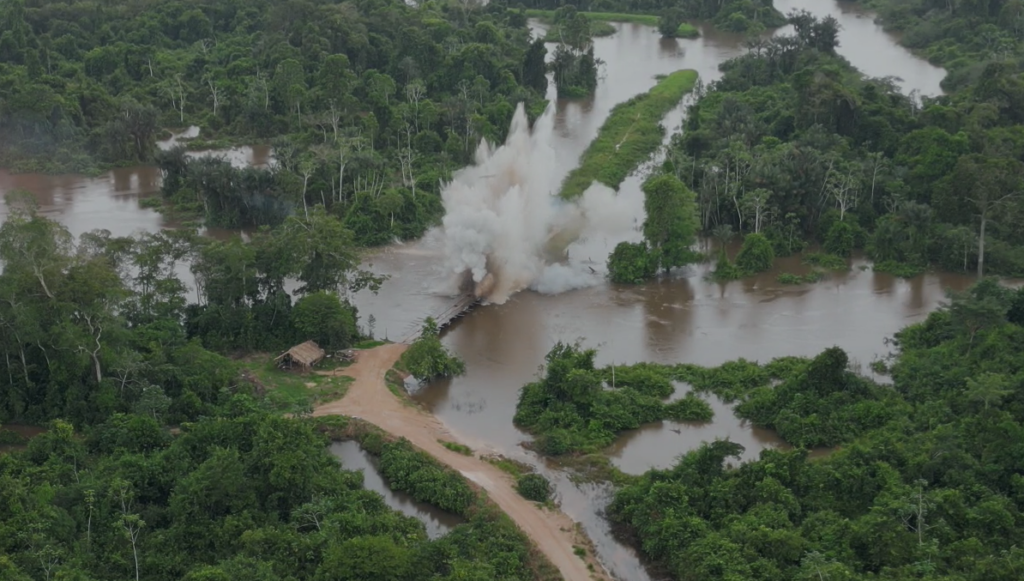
{"x": 460, "y": 306}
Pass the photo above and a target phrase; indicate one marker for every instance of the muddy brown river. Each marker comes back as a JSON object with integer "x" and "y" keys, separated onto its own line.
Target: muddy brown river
{"x": 682, "y": 319}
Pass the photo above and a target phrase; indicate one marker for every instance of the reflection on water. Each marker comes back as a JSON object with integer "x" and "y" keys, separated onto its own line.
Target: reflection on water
{"x": 81, "y": 203}
{"x": 658, "y": 444}
{"x": 352, "y": 457}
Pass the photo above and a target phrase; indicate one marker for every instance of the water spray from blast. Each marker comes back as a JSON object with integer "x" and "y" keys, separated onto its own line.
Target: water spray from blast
{"x": 505, "y": 228}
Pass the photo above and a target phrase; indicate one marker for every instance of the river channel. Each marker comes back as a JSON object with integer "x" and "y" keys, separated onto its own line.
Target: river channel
{"x": 682, "y": 319}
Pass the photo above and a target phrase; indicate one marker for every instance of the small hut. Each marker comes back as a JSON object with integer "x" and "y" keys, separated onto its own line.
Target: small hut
{"x": 304, "y": 356}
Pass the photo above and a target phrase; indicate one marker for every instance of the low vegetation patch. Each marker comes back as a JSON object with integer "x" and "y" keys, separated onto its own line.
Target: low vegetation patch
{"x": 809, "y": 278}
{"x": 293, "y": 392}
{"x": 899, "y": 269}
{"x": 368, "y": 344}
{"x": 427, "y": 359}
{"x": 575, "y": 409}
{"x": 684, "y": 30}
{"x": 826, "y": 261}
{"x": 756, "y": 255}
{"x": 597, "y": 29}
{"x": 534, "y": 487}
{"x": 631, "y": 134}
{"x": 456, "y": 447}
{"x": 508, "y": 465}
{"x": 733, "y": 380}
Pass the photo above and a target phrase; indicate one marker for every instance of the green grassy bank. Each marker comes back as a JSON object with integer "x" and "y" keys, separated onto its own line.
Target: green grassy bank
{"x": 630, "y": 135}
{"x": 598, "y": 28}
{"x": 685, "y": 30}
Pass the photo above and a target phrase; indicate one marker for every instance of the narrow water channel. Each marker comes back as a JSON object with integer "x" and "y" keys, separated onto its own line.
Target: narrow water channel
{"x": 352, "y": 457}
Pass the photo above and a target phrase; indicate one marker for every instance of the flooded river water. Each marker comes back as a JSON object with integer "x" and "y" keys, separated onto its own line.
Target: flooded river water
{"x": 684, "y": 319}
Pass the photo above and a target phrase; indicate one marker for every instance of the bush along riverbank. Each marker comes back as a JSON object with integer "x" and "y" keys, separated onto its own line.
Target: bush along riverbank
{"x": 631, "y": 134}
{"x": 599, "y": 22}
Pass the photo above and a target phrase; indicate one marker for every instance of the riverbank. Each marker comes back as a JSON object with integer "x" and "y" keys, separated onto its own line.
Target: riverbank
{"x": 630, "y": 135}
{"x": 369, "y": 399}
{"x": 685, "y": 30}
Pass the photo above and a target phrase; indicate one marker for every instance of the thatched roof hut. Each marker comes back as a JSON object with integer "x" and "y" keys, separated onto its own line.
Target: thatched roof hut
{"x": 305, "y": 355}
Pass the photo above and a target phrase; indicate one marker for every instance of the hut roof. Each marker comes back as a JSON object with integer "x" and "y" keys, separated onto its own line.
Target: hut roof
{"x": 305, "y": 354}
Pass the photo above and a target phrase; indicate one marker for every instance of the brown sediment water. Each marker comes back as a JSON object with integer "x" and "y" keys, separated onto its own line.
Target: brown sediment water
{"x": 681, "y": 319}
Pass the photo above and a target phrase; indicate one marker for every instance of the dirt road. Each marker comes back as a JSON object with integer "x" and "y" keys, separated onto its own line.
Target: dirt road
{"x": 368, "y": 398}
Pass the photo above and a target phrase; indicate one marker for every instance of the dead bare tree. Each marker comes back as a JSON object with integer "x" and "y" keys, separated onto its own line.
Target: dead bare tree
{"x": 214, "y": 92}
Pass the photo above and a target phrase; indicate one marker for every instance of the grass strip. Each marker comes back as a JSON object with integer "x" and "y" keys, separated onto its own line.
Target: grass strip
{"x": 685, "y": 30}
{"x": 631, "y": 134}
{"x": 598, "y": 28}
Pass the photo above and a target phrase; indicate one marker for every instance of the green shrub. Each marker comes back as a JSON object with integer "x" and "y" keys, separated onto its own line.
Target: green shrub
{"x": 828, "y": 261}
{"x": 756, "y": 255}
{"x": 631, "y": 263}
{"x": 534, "y": 487}
{"x": 428, "y": 359}
{"x": 900, "y": 269}
{"x": 425, "y": 479}
{"x": 840, "y": 239}
{"x": 725, "y": 270}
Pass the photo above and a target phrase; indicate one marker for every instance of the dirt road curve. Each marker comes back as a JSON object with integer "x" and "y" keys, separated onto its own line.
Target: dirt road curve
{"x": 368, "y": 398}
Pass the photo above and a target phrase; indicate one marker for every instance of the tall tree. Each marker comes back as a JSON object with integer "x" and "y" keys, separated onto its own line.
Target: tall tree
{"x": 671, "y": 224}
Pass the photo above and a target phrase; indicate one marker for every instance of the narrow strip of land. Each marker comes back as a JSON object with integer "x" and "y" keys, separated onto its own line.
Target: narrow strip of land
{"x": 686, "y": 30}
{"x": 369, "y": 399}
{"x": 630, "y": 135}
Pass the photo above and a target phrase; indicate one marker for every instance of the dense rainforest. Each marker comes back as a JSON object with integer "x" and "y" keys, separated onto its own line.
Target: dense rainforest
{"x": 101, "y": 345}
{"x": 794, "y": 144}
{"x": 242, "y": 493}
{"x": 369, "y": 104}
{"x": 926, "y": 483}
{"x": 103, "y": 324}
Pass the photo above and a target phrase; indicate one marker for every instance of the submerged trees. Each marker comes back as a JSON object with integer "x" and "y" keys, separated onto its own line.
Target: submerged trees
{"x": 574, "y": 64}
{"x": 670, "y": 227}
{"x": 670, "y": 230}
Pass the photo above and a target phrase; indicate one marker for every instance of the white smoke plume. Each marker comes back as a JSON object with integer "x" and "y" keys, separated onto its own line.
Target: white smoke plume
{"x": 505, "y": 228}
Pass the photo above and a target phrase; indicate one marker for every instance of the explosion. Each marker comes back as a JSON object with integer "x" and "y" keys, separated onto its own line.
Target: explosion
{"x": 505, "y": 228}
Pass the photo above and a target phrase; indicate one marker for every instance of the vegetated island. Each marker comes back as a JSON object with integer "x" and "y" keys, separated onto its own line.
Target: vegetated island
{"x": 631, "y": 134}
{"x": 599, "y": 22}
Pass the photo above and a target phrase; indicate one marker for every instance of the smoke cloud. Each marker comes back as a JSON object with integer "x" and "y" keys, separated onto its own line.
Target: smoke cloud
{"x": 505, "y": 228}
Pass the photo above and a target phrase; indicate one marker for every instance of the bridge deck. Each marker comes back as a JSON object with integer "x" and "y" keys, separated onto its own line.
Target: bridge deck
{"x": 444, "y": 317}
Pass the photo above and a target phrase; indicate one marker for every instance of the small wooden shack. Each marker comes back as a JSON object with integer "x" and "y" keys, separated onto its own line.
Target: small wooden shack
{"x": 304, "y": 356}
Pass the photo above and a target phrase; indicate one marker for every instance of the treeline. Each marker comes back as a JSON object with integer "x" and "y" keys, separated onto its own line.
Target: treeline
{"x": 963, "y": 37}
{"x": 409, "y": 91}
{"x": 102, "y": 324}
{"x": 240, "y": 494}
{"x": 794, "y": 144}
{"x": 734, "y": 15}
{"x": 926, "y": 484}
